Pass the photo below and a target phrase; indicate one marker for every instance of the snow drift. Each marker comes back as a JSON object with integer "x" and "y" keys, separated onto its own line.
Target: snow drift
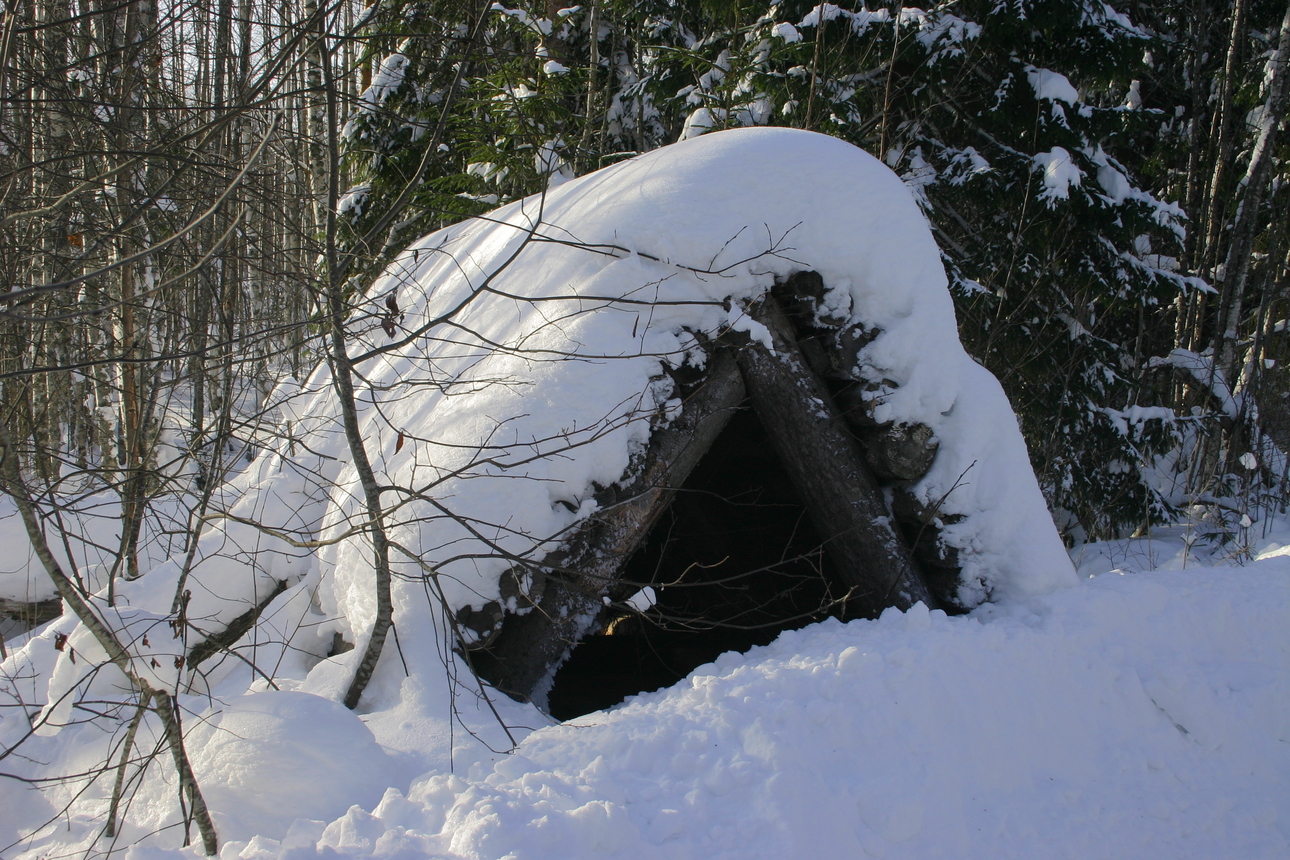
{"x": 1135, "y": 715}
{"x": 526, "y": 369}
{"x": 1138, "y": 716}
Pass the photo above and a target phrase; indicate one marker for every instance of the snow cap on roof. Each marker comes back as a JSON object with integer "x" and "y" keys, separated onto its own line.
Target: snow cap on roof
{"x": 528, "y": 362}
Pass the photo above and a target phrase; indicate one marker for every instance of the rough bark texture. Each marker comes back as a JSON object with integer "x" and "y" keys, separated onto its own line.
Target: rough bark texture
{"x": 902, "y": 452}
{"x": 899, "y": 455}
{"x": 1245, "y": 226}
{"x": 843, "y": 497}
{"x": 921, "y": 525}
{"x": 522, "y": 659}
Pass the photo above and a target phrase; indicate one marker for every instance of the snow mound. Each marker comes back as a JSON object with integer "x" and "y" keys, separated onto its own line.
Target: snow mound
{"x": 526, "y": 364}
{"x": 1137, "y": 716}
{"x": 266, "y": 759}
{"x": 526, "y": 370}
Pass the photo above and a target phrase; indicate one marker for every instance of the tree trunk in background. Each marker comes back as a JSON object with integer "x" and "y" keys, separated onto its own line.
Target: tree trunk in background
{"x": 1250, "y": 216}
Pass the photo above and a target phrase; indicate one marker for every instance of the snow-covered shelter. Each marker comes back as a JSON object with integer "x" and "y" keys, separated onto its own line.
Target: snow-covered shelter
{"x": 716, "y": 389}
{"x": 562, "y": 369}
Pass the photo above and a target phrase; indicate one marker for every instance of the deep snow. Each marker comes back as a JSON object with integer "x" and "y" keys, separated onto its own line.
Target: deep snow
{"x": 1134, "y": 715}
{"x": 526, "y": 369}
{"x": 1103, "y": 719}
{"x": 1138, "y": 716}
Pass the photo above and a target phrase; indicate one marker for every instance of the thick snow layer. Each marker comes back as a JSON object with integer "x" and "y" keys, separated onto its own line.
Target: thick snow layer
{"x": 94, "y": 522}
{"x": 1136, "y": 715}
{"x": 531, "y": 344}
{"x": 1060, "y": 173}
{"x": 526, "y": 369}
{"x": 1051, "y": 85}
{"x": 267, "y": 759}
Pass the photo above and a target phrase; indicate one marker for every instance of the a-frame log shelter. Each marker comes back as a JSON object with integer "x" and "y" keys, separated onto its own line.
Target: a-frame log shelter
{"x": 802, "y": 382}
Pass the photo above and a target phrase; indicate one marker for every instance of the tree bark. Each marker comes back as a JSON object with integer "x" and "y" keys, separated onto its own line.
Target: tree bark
{"x": 1223, "y": 135}
{"x": 523, "y": 659}
{"x": 343, "y": 383}
{"x": 1248, "y": 221}
{"x": 826, "y": 464}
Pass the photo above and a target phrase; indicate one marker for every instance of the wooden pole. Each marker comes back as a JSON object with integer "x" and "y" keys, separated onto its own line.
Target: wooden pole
{"x": 523, "y": 658}
{"x": 844, "y": 499}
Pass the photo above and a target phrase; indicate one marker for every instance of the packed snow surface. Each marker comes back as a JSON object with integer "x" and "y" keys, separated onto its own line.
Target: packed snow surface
{"x": 1141, "y": 716}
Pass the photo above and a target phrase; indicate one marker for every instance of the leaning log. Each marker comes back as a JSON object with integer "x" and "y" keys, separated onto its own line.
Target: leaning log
{"x": 900, "y": 452}
{"x": 577, "y": 580}
{"x": 215, "y": 642}
{"x": 841, "y": 494}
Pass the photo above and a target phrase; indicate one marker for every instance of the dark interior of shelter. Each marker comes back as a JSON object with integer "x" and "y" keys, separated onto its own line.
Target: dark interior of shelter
{"x": 734, "y": 562}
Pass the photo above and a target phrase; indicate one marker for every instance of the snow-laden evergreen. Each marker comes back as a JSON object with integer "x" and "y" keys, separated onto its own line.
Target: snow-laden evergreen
{"x": 1023, "y": 128}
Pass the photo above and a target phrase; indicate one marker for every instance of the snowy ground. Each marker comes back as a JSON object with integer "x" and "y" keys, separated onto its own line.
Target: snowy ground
{"x": 1118, "y": 713}
{"x": 1136, "y": 715}
{"x": 1139, "y": 714}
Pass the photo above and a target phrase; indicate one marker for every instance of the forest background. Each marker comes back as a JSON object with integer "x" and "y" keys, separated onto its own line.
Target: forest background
{"x": 194, "y": 198}
{"x": 194, "y": 194}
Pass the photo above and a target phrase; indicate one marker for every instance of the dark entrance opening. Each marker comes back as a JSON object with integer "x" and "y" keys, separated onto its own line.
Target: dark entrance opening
{"x": 734, "y": 561}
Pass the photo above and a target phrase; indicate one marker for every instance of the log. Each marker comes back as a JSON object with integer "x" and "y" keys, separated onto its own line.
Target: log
{"x": 223, "y": 640}
{"x": 842, "y": 496}
{"x": 856, "y": 408}
{"x": 829, "y": 343}
{"x": 922, "y": 526}
{"x": 33, "y": 613}
{"x": 577, "y": 580}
